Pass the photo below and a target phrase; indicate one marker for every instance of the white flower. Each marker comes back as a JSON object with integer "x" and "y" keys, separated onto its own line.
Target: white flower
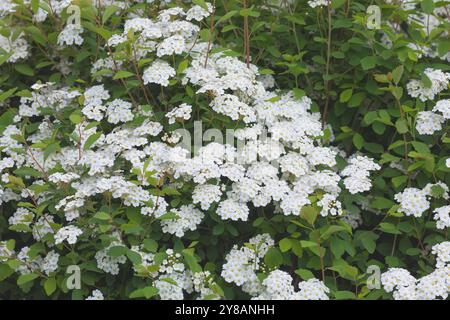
{"x": 159, "y": 72}
{"x": 198, "y": 13}
{"x": 188, "y": 218}
{"x": 428, "y": 122}
{"x": 438, "y": 81}
{"x": 443, "y": 106}
{"x": 206, "y": 194}
{"x": 69, "y": 233}
{"x": 230, "y": 209}
{"x": 317, "y": 3}
{"x": 412, "y": 201}
{"x": 442, "y": 217}
{"x": 183, "y": 112}
{"x": 96, "y": 295}
{"x": 119, "y": 111}
{"x": 70, "y": 35}
{"x": 17, "y": 48}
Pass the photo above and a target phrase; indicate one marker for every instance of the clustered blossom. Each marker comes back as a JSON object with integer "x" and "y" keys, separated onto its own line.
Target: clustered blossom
{"x": 415, "y": 202}
{"x": 242, "y": 265}
{"x": 230, "y": 180}
{"x": 438, "y": 82}
{"x": 317, "y": 3}
{"x": 183, "y": 112}
{"x": 187, "y": 218}
{"x": 435, "y": 285}
{"x": 69, "y": 233}
{"x": 159, "y": 72}
{"x": 71, "y": 35}
{"x": 429, "y": 122}
{"x": 17, "y": 48}
{"x": 126, "y": 155}
{"x": 442, "y": 217}
{"x": 96, "y": 295}
{"x": 357, "y": 174}
{"x": 278, "y": 286}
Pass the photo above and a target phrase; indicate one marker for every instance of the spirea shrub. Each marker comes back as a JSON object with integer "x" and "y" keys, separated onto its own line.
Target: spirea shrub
{"x": 226, "y": 150}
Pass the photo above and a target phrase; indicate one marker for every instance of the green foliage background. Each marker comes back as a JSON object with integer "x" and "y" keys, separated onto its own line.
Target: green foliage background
{"x": 331, "y": 56}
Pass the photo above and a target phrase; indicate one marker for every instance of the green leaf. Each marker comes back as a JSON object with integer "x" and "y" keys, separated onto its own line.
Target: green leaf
{"x": 273, "y": 258}
{"x": 344, "y": 295}
{"x": 37, "y": 35}
{"x": 285, "y": 244}
{"x": 117, "y": 251}
{"x": 5, "y": 95}
{"x": 24, "y": 69}
{"x": 368, "y": 240}
{"x": 368, "y": 62}
{"x": 76, "y": 117}
{"x": 25, "y": 278}
{"x": 50, "y": 286}
{"x": 150, "y": 245}
{"x": 443, "y": 47}
{"x": 397, "y": 74}
{"x": 345, "y": 95}
{"x": 109, "y": 11}
{"x": 27, "y": 171}
{"x": 335, "y": 4}
{"x": 102, "y": 216}
{"x": 122, "y": 74}
{"x": 356, "y": 99}
{"x": 309, "y": 214}
{"x": 134, "y": 257}
{"x": 5, "y": 271}
{"x": 50, "y": 149}
{"x": 201, "y": 3}
{"x": 358, "y": 141}
{"x": 227, "y": 16}
{"x": 398, "y": 181}
{"x": 91, "y": 140}
{"x": 329, "y": 230}
{"x": 401, "y": 125}
{"x": 182, "y": 66}
{"x": 248, "y": 12}
{"x": 191, "y": 261}
{"x": 389, "y": 228}
{"x": 146, "y": 293}
{"x": 427, "y": 6}
{"x": 305, "y": 274}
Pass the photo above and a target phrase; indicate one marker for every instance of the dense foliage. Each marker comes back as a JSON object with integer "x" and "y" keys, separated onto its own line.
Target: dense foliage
{"x": 237, "y": 149}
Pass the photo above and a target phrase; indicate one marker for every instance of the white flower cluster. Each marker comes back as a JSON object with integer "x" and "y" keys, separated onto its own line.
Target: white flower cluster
{"x": 415, "y": 202}
{"x": 96, "y": 295}
{"x": 71, "y": 35}
{"x": 7, "y": 7}
{"x": 16, "y": 48}
{"x": 438, "y": 81}
{"x": 69, "y": 233}
{"x": 115, "y": 149}
{"x": 433, "y": 286}
{"x": 430, "y": 121}
{"x": 357, "y": 174}
{"x": 183, "y": 112}
{"x": 159, "y": 72}
{"x": 108, "y": 263}
{"x": 317, "y": 3}
{"x": 243, "y": 264}
{"x": 278, "y": 286}
{"x": 187, "y": 219}
{"x": 172, "y": 279}
{"x": 442, "y": 217}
